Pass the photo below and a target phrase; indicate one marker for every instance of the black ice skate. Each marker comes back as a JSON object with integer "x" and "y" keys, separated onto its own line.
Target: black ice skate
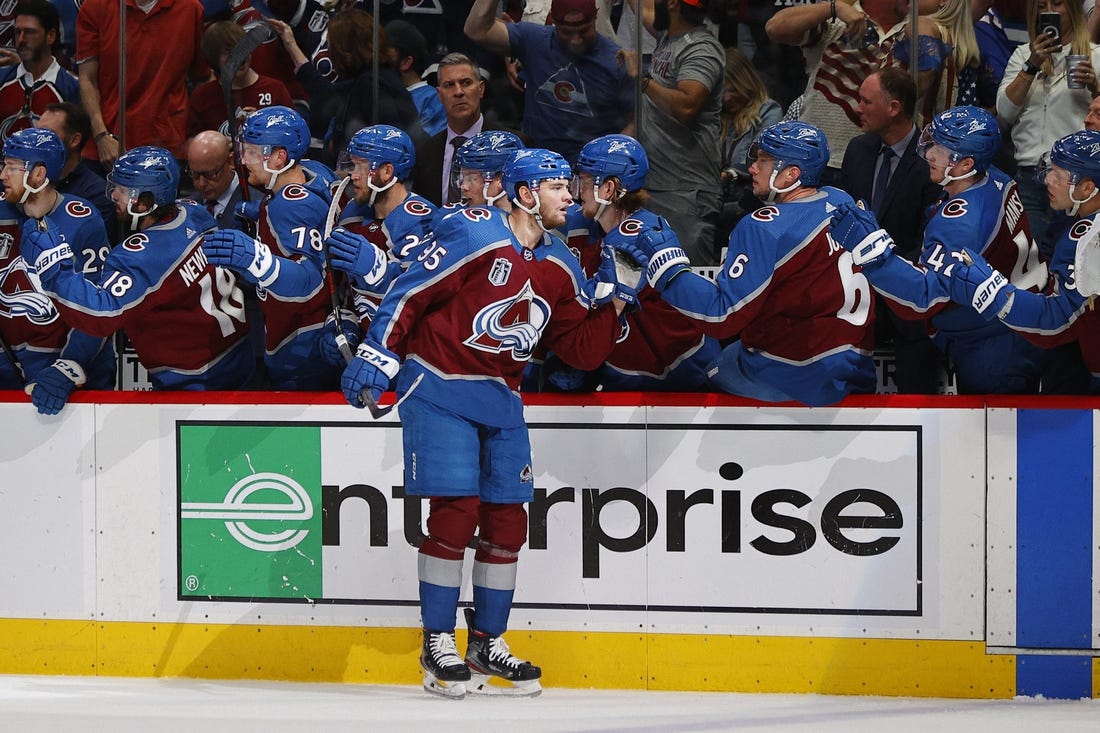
{"x": 444, "y": 671}
{"x": 489, "y": 657}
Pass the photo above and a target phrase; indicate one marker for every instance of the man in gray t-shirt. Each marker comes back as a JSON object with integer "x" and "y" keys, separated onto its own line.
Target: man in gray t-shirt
{"x": 681, "y": 103}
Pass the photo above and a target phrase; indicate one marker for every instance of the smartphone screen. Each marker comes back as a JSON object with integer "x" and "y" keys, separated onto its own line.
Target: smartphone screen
{"x": 1050, "y": 23}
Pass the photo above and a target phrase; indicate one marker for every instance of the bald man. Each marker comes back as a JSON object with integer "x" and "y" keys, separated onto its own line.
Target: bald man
{"x": 217, "y": 186}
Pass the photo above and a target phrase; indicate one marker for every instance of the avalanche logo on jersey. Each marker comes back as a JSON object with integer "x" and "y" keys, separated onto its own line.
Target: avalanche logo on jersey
{"x": 19, "y": 299}
{"x": 954, "y": 208}
{"x": 514, "y": 324}
{"x": 765, "y": 213}
{"x": 564, "y": 92}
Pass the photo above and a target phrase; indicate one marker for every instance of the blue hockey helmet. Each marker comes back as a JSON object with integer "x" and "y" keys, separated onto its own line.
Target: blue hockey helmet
{"x": 277, "y": 127}
{"x": 618, "y": 156}
{"x": 147, "y": 169}
{"x": 532, "y": 166}
{"x": 488, "y": 151}
{"x": 1078, "y": 154}
{"x": 965, "y": 132}
{"x": 37, "y": 146}
{"x": 385, "y": 144}
{"x": 795, "y": 143}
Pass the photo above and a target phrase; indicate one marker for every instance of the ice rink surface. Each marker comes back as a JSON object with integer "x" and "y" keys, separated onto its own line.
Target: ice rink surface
{"x": 118, "y": 705}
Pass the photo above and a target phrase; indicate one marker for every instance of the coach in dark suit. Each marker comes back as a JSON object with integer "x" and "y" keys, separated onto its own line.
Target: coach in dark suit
{"x": 461, "y": 90}
{"x": 882, "y": 167}
{"x": 217, "y": 185}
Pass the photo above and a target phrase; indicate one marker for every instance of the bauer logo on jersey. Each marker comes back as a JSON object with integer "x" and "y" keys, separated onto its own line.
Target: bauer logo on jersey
{"x": 954, "y": 208}
{"x": 499, "y": 272}
{"x": 514, "y": 324}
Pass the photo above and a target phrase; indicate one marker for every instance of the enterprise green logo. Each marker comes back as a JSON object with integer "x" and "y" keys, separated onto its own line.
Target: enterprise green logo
{"x": 248, "y": 527}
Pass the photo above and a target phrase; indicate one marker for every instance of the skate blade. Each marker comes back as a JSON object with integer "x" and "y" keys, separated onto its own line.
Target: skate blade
{"x": 492, "y": 686}
{"x": 449, "y": 690}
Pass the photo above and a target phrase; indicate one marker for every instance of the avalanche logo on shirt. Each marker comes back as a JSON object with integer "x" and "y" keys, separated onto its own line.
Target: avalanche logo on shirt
{"x": 564, "y": 92}
{"x": 514, "y": 324}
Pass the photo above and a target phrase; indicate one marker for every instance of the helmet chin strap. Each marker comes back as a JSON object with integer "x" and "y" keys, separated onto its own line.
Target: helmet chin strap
{"x": 773, "y": 192}
{"x": 135, "y": 216}
{"x": 276, "y": 173}
{"x": 375, "y": 190}
{"x": 948, "y": 178}
{"x": 491, "y": 200}
{"x": 28, "y": 189}
{"x": 534, "y": 210}
{"x": 1077, "y": 204}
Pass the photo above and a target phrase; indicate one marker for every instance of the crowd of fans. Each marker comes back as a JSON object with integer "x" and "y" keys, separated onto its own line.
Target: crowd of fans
{"x": 708, "y": 79}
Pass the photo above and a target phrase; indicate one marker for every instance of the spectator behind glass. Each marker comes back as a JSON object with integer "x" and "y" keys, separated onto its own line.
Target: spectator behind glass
{"x": 162, "y": 52}
{"x": 35, "y": 78}
{"x": 1035, "y": 102}
{"x": 72, "y": 125}
{"x": 575, "y": 89}
{"x": 679, "y": 122}
{"x": 947, "y": 58}
{"x": 746, "y": 109}
{"x": 1092, "y": 119}
{"x": 340, "y": 108}
{"x": 994, "y": 49}
{"x": 411, "y": 55}
{"x": 251, "y": 90}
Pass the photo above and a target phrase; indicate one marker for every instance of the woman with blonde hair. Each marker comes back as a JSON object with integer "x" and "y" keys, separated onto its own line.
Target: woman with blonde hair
{"x": 746, "y": 110}
{"x": 948, "y": 58}
{"x": 1042, "y": 101}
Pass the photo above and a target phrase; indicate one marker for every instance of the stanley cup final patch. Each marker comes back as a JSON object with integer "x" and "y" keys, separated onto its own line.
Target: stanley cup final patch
{"x": 501, "y": 269}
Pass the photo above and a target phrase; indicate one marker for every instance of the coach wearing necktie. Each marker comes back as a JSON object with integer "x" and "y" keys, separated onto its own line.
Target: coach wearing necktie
{"x": 461, "y": 90}
{"x": 217, "y": 185}
{"x": 883, "y": 168}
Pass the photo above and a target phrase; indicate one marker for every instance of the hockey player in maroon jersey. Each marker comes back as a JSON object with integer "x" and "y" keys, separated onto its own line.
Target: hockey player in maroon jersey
{"x": 659, "y": 349}
{"x": 383, "y": 226}
{"x": 286, "y": 260}
{"x": 485, "y": 289}
{"x": 55, "y": 358}
{"x": 184, "y": 317}
{"x": 802, "y": 315}
{"x": 981, "y": 211}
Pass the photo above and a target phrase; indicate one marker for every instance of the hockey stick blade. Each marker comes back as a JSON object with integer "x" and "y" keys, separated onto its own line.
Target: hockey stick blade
{"x": 253, "y": 38}
{"x": 330, "y": 223}
{"x": 377, "y": 412}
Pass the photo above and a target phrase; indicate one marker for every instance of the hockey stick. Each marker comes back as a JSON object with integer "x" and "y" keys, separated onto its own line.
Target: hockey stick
{"x": 254, "y": 37}
{"x": 10, "y": 353}
{"x": 376, "y": 411}
{"x": 330, "y": 223}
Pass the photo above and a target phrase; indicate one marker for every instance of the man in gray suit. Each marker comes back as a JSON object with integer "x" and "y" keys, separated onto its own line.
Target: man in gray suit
{"x": 882, "y": 167}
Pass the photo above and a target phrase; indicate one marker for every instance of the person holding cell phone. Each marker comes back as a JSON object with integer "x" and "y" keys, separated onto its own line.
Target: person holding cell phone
{"x": 1046, "y": 91}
